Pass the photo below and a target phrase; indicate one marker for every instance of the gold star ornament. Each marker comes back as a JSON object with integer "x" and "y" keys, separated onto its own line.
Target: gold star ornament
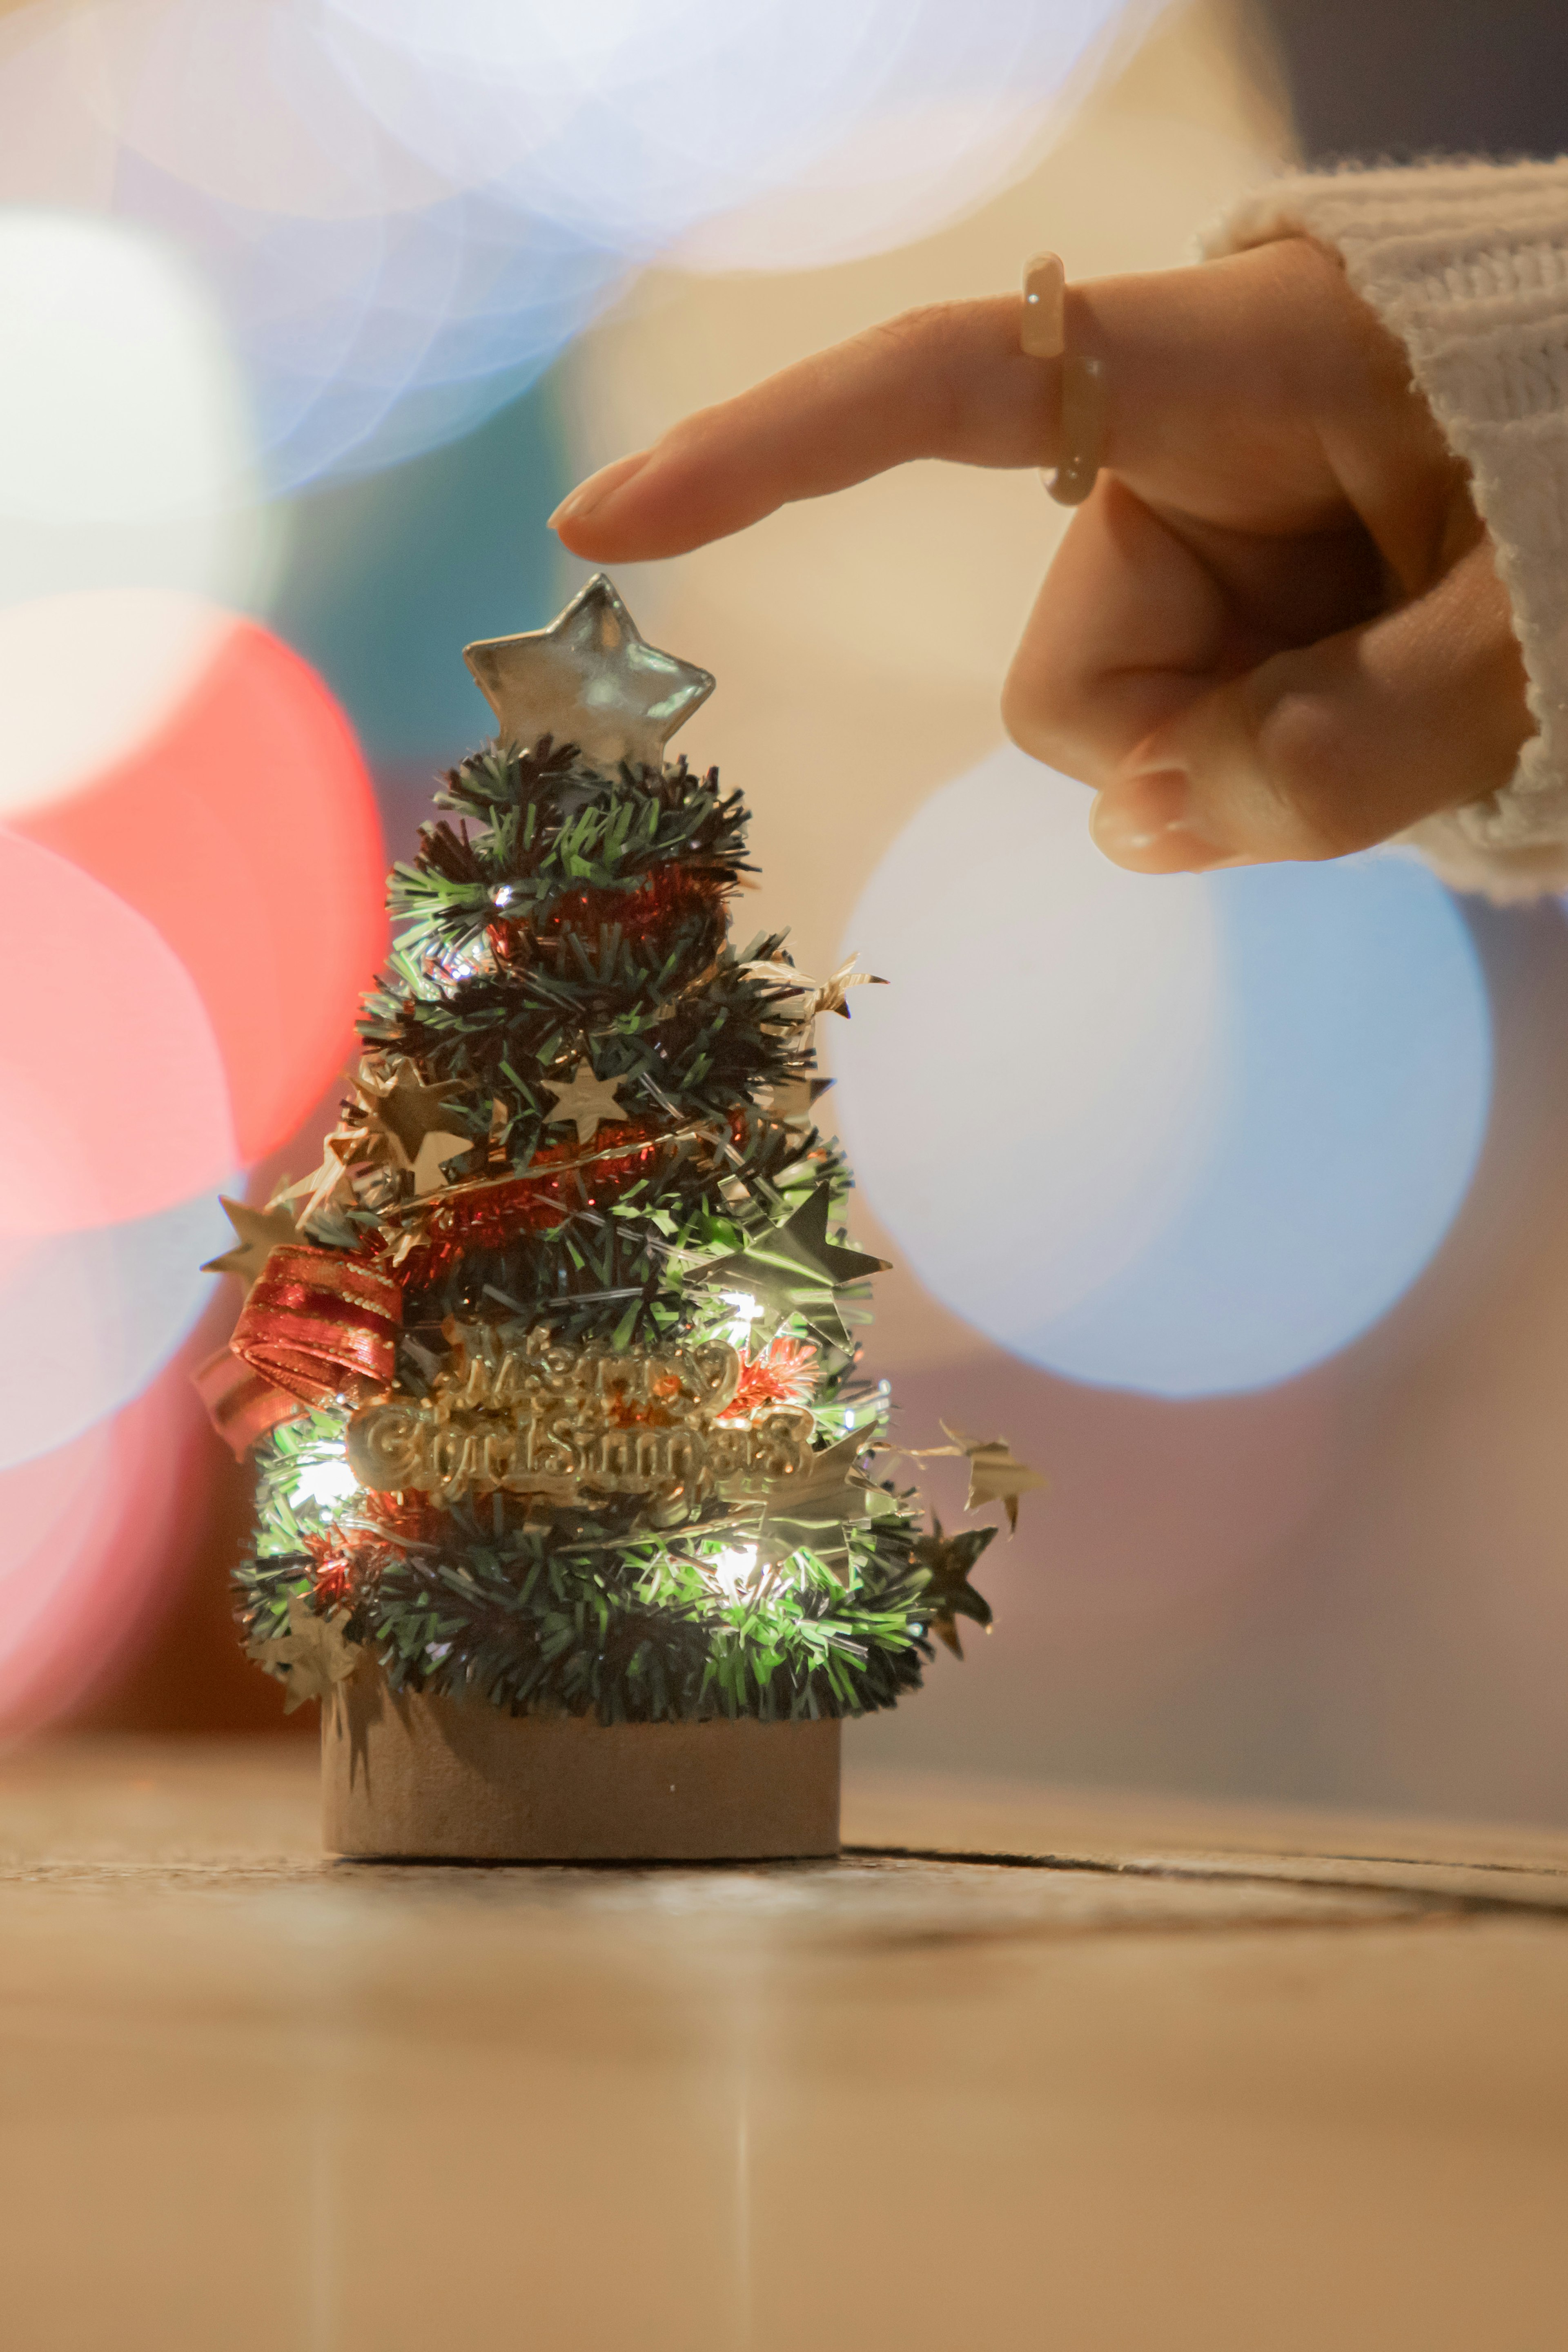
{"x": 589, "y": 680}
{"x": 589, "y": 1102}
{"x": 411, "y": 1112}
{"x": 414, "y": 1118}
{"x": 817, "y": 1503}
{"x": 258, "y": 1233}
{"x": 795, "y": 1269}
{"x": 314, "y": 1654}
{"x": 995, "y": 1475}
{"x": 948, "y": 1562}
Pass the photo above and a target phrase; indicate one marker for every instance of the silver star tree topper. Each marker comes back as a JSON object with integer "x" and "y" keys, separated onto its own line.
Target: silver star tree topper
{"x": 588, "y": 679}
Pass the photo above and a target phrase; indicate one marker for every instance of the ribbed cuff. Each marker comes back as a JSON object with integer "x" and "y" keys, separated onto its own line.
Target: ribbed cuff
{"x": 1467, "y": 264}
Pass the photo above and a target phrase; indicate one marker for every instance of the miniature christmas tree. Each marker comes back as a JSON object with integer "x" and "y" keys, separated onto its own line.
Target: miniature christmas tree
{"x": 550, "y": 1369}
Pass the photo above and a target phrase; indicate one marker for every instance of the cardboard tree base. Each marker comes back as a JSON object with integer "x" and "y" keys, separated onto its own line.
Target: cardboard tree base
{"x": 424, "y": 1779}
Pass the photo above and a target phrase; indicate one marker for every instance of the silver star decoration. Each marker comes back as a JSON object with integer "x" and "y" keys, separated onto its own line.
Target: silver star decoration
{"x": 258, "y": 1233}
{"x": 588, "y": 1101}
{"x": 588, "y": 679}
{"x": 314, "y": 1652}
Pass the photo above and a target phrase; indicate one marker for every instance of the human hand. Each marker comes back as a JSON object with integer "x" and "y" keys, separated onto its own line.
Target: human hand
{"x": 1274, "y": 630}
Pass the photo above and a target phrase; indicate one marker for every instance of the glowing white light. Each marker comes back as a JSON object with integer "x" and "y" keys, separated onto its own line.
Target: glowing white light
{"x": 1187, "y": 1135}
{"x": 465, "y": 963}
{"x": 390, "y": 196}
{"x": 883, "y": 183}
{"x": 747, "y": 1311}
{"x": 367, "y": 340}
{"x": 124, "y": 448}
{"x": 244, "y": 103}
{"x": 733, "y": 1569}
{"x": 326, "y": 1485}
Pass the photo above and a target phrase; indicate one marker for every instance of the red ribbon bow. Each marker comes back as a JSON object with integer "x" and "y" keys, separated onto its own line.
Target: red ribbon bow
{"x": 322, "y": 1326}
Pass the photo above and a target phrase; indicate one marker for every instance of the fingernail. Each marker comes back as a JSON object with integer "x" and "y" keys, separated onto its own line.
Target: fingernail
{"x": 599, "y": 489}
{"x": 1140, "y": 823}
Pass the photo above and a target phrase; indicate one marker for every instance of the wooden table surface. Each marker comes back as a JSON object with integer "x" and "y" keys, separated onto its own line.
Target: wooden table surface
{"x": 1023, "y": 2069}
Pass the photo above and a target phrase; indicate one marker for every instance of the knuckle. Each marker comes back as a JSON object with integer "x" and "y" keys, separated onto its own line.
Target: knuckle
{"x": 929, "y": 326}
{"x": 1038, "y": 714}
{"x": 1307, "y": 769}
{"x": 927, "y": 349}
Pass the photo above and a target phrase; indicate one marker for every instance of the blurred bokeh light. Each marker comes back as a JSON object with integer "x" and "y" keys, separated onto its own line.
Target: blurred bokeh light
{"x": 125, "y": 456}
{"x": 391, "y": 206}
{"x": 243, "y": 829}
{"x": 105, "y": 1309}
{"x": 1224, "y": 1121}
{"x": 1049, "y": 1022}
{"x": 90, "y": 1537}
{"x": 117, "y": 1103}
{"x": 698, "y": 111}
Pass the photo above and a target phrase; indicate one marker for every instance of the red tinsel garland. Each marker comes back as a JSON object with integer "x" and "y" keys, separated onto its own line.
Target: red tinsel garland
{"x": 492, "y": 1215}
{"x": 561, "y": 1181}
{"x": 658, "y": 903}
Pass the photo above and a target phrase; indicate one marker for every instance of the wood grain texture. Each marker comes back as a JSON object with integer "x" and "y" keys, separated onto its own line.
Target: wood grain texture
{"x": 1149, "y": 2076}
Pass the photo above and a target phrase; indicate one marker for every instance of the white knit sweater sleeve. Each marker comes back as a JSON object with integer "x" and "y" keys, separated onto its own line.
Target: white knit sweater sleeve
{"x": 1466, "y": 264}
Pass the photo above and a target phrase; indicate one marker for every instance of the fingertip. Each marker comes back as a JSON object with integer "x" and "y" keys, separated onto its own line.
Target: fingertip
{"x": 1144, "y": 824}
{"x": 591, "y": 502}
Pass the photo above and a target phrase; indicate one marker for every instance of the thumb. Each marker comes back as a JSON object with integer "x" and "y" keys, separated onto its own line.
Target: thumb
{"x": 1332, "y": 747}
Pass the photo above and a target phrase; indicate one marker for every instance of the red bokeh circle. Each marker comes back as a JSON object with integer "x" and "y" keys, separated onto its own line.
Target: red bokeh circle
{"x": 244, "y": 830}
{"x": 116, "y": 1099}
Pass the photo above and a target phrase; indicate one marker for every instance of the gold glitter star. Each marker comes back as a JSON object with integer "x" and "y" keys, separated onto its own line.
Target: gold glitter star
{"x": 588, "y": 1100}
{"x": 588, "y": 679}
{"x": 258, "y": 1233}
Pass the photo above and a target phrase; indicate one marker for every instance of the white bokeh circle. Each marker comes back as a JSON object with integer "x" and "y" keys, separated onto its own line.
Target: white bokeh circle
{"x": 404, "y": 209}
{"x": 695, "y": 109}
{"x": 1187, "y": 1136}
{"x": 125, "y": 449}
{"x": 88, "y": 679}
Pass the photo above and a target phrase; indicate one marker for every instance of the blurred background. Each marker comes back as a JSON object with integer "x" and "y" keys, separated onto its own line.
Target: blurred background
{"x": 1238, "y": 1203}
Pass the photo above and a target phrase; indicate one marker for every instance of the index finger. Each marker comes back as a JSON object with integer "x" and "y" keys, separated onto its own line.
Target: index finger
{"x": 947, "y": 382}
{"x": 1213, "y": 376}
